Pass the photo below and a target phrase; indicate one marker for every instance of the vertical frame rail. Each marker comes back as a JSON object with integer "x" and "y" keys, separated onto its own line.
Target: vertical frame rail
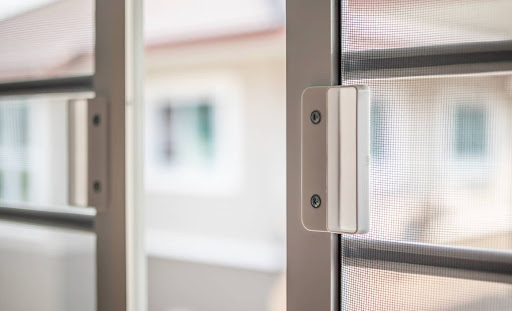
{"x": 109, "y": 84}
{"x": 312, "y": 59}
{"x": 135, "y": 218}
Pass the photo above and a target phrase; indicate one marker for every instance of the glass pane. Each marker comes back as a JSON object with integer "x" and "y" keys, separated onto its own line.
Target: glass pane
{"x": 46, "y": 39}
{"x": 396, "y": 24}
{"x": 46, "y": 269}
{"x": 43, "y": 150}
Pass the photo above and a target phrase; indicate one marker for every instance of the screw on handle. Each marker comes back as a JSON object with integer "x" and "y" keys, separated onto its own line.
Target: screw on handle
{"x": 96, "y": 186}
{"x": 316, "y": 201}
{"x": 316, "y": 117}
{"x": 96, "y": 119}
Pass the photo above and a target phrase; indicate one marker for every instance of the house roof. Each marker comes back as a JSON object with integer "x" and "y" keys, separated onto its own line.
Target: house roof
{"x": 43, "y": 41}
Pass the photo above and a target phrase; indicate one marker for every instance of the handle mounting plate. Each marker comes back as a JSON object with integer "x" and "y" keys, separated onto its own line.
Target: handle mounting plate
{"x": 335, "y": 143}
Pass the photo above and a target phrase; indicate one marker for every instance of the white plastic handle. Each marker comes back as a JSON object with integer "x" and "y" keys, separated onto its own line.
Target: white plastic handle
{"x": 348, "y": 144}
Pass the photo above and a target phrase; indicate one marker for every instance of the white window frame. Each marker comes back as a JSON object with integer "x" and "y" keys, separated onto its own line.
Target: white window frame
{"x": 118, "y": 79}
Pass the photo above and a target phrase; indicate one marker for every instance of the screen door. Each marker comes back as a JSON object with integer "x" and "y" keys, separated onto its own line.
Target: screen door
{"x": 64, "y": 85}
{"x": 441, "y": 154}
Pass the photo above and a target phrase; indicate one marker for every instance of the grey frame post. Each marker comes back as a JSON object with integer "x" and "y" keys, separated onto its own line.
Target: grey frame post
{"x": 109, "y": 83}
{"x": 312, "y": 59}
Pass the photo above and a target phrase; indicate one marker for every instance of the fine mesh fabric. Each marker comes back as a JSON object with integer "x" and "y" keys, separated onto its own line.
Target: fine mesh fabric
{"x": 370, "y": 24}
{"x": 441, "y": 151}
{"x": 44, "y": 39}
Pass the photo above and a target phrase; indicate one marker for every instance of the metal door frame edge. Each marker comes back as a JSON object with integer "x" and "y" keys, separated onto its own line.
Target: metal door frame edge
{"x": 312, "y": 59}
{"x": 110, "y": 226}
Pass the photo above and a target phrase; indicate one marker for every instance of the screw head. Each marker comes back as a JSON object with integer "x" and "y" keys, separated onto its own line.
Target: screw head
{"x": 96, "y": 186}
{"x": 316, "y": 201}
{"x": 316, "y": 117}
{"x": 96, "y": 119}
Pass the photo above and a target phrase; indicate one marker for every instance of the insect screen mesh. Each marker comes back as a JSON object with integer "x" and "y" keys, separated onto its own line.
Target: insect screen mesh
{"x": 43, "y": 39}
{"x": 441, "y": 151}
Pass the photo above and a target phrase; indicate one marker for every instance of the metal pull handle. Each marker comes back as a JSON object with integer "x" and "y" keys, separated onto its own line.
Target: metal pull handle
{"x": 77, "y": 152}
{"x": 335, "y": 159}
{"x": 97, "y": 153}
{"x": 87, "y": 153}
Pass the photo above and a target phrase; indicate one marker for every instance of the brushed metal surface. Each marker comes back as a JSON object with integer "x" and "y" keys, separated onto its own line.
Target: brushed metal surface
{"x": 312, "y": 57}
{"x": 314, "y": 159}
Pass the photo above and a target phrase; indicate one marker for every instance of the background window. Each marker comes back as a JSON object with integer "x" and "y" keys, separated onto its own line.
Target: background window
{"x": 185, "y": 133}
{"x": 14, "y": 147}
{"x": 14, "y": 125}
{"x": 34, "y": 136}
{"x": 193, "y": 133}
{"x": 470, "y": 131}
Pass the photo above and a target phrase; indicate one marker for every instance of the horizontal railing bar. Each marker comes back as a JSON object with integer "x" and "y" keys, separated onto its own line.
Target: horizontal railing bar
{"x": 468, "y": 263}
{"x": 431, "y": 72}
{"x": 78, "y": 218}
{"x": 427, "y": 56}
{"x": 56, "y": 85}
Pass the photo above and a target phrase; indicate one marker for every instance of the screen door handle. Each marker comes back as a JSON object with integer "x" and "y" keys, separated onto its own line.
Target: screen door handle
{"x": 88, "y": 152}
{"x": 335, "y": 145}
{"x": 97, "y": 153}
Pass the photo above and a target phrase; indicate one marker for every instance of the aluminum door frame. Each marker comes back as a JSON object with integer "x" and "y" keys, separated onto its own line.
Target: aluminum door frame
{"x": 110, "y": 222}
{"x": 312, "y": 59}
{"x": 120, "y": 257}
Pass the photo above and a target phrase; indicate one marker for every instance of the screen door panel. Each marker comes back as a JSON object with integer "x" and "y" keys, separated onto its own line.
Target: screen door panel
{"x": 377, "y": 289}
{"x": 441, "y": 155}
